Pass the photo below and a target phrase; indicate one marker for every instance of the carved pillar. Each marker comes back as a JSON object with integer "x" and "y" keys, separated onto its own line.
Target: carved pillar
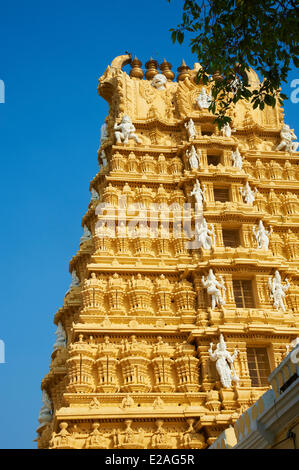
{"x": 187, "y": 368}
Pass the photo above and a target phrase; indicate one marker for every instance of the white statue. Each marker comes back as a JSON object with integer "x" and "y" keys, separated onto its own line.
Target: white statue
{"x": 198, "y": 193}
{"x": 159, "y": 81}
{"x": 204, "y": 235}
{"x": 104, "y": 133}
{"x": 248, "y": 194}
{"x": 86, "y": 234}
{"x": 236, "y": 85}
{"x": 190, "y": 129}
{"x": 203, "y": 100}
{"x": 194, "y": 158}
{"x": 94, "y": 195}
{"x": 227, "y": 130}
{"x": 287, "y": 135}
{"x": 45, "y": 415}
{"x": 262, "y": 236}
{"x": 278, "y": 290}
{"x": 223, "y": 359}
{"x": 237, "y": 159}
{"x": 293, "y": 344}
{"x": 125, "y": 131}
{"x": 214, "y": 288}
{"x": 75, "y": 280}
{"x": 60, "y": 337}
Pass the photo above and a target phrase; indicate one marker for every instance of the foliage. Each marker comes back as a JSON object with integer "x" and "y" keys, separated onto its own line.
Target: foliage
{"x": 229, "y": 36}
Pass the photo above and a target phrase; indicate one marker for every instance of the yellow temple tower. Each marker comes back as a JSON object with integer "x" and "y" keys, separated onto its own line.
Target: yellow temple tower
{"x": 185, "y": 290}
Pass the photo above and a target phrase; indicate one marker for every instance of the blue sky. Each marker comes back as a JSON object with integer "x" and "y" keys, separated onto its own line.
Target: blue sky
{"x": 51, "y": 57}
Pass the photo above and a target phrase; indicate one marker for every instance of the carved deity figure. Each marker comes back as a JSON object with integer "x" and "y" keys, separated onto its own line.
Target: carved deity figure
{"x": 262, "y": 236}
{"x": 214, "y": 288}
{"x": 159, "y": 81}
{"x": 125, "y": 131}
{"x": 75, "y": 280}
{"x": 45, "y": 415}
{"x": 104, "y": 133}
{"x": 204, "y": 235}
{"x": 293, "y": 344}
{"x": 204, "y": 100}
{"x": 237, "y": 159}
{"x": 194, "y": 158}
{"x": 226, "y": 130}
{"x": 287, "y": 135}
{"x": 191, "y": 129}
{"x": 86, "y": 234}
{"x": 94, "y": 195}
{"x": 198, "y": 193}
{"x": 224, "y": 360}
{"x": 60, "y": 337}
{"x": 248, "y": 194}
{"x": 278, "y": 290}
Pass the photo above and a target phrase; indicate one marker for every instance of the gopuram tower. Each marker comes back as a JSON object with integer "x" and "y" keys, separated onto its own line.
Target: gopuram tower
{"x": 185, "y": 287}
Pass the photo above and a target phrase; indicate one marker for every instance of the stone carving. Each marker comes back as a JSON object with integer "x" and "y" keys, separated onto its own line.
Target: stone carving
{"x": 278, "y": 290}
{"x": 94, "y": 195}
{"x": 75, "y": 280}
{"x": 194, "y": 158}
{"x": 223, "y": 359}
{"x": 60, "y": 337}
{"x": 214, "y": 288}
{"x": 198, "y": 193}
{"x": 125, "y": 131}
{"x": 237, "y": 159}
{"x": 104, "y": 133}
{"x": 262, "y": 236}
{"x": 248, "y": 194}
{"x": 191, "y": 129}
{"x": 227, "y": 130}
{"x": 96, "y": 440}
{"x": 287, "y": 136}
{"x": 45, "y": 415}
{"x": 127, "y": 401}
{"x": 159, "y": 81}
{"x": 62, "y": 440}
{"x": 204, "y": 100}
{"x": 86, "y": 235}
{"x": 204, "y": 235}
{"x": 293, "y": 344}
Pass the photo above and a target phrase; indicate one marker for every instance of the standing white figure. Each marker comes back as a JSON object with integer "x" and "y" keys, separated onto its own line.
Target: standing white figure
{"x": 278, "y": 290}
{"x": 125, "y": 131}
{"x": 227, "y": 130}
{"x": 86, "y": 235}
{"x": 75, "y": 280}
{"x": 204, "y": 235}
{"x": 94, "y": 195}
{"x": 214, "y": 288}
{"x": 159, "y": 81}
{"x": 198, "y": 193}
{"x": 236, "y": 85}
{"x": 191, "y": 129}
{"x": 104, "y": 133}
{"x": 60, "y": 337}
{"x": 194, "y": 158}
{"x": 237, "y": 159}
{"x": 223, "y": 358}
{"x": 293, "y": 344}
{"x": 248, "y": 194}
{"x": 287, "y": 135}
{"x": 203, "y": 100}
{"x": 262, "y": 236}
{"x": 45, "y": 415}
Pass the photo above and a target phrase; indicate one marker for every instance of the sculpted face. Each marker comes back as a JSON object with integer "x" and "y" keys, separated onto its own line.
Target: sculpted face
{"x": 159, "y": 81}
